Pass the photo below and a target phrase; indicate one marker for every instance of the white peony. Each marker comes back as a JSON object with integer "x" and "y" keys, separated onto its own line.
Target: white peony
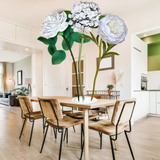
{"x": 112, "y": 29}
{"x": 53, "y": 24}
{"x": 84, "y": 15}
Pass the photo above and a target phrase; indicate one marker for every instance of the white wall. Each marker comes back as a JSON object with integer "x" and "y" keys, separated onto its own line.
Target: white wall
{"x": 37, "y": 74}
{"x": 25, "y": 66}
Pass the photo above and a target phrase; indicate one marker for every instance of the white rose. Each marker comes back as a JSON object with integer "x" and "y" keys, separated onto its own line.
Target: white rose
{"x": 53, "y": 24}
{"x": 112, "y": 29}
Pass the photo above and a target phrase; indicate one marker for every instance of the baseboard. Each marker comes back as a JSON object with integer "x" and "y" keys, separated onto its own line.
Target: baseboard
{"x": 139, "y": 119}
{"x": 153, "y": 115}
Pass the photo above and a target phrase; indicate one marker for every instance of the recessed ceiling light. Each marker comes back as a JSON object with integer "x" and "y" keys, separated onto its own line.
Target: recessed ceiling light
{"x": 145, "y": 35}
{"x": 26, "y": 49}
{"x": 21, "y": 51}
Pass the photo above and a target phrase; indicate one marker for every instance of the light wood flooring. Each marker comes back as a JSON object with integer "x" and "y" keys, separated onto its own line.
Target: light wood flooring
{"x": 145, "y": 141}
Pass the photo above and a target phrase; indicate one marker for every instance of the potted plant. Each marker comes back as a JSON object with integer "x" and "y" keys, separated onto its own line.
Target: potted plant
{"x": 23, "y": 91}
{"x": 110, "y": 87}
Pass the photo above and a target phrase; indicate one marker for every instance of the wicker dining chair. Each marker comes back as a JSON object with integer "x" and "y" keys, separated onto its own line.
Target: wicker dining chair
{"x": 52, "y": 110}
{"x": 27, "y": 112}
{"x": 122, "y": 114}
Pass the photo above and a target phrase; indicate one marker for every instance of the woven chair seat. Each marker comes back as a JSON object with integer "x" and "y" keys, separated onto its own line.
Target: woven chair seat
{"x": 106, "y": 127}
{"x": 80, "y": 115}
{"x": 66, "y": 122}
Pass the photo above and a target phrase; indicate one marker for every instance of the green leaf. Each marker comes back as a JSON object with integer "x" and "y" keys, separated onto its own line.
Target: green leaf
{"x": 94, "y": 39}
{"x": 60, "y": 33}
{"x": 67, "y": 12}
{"x": 109, "y": 53}
{"x": 52, "y": 49}
{"x": 86, "y": 40}
{"x": 97, "y": 39}
{"x": 76, "y": 36}
{"x": 44, "y": 40}
{"x": 104, "y": 47}
{"x": 53, "y": 40}
{"x": 115, "y": 53}
{"x": 110, "y": 46}
{"x": 100, "y": 17}
{"x": 58, "y": 57}
{"x": 67, "y": 46}
{"x": 86, "y": 37}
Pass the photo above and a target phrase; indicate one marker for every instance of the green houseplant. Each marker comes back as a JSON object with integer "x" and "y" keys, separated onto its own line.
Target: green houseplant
{"x": 110, "y": 87}
{"x": 23, "y": 91}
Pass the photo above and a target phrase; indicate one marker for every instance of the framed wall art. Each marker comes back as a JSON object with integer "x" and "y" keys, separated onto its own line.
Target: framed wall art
{"x": 106, "y": 63}
{"x": 19, "y": 77}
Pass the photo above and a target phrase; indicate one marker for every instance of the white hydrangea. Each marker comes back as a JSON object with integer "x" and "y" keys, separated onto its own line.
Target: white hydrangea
{"x": 112, "y": 29}
{"x": 84, "y": 15}
{"x": 53, "y": 24}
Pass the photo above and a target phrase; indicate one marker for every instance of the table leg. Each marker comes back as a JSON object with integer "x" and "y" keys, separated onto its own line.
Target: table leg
{"x": 86, "y": 140}
{"x": 24, "y": 125}
{"x": 116, "y": 145}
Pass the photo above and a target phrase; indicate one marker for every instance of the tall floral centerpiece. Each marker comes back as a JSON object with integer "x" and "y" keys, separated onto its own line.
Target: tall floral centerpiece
{"x": 84, "y": 16}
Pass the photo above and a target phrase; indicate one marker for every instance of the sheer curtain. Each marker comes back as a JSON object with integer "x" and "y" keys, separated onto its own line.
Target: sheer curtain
{"x": 4, "y": 77}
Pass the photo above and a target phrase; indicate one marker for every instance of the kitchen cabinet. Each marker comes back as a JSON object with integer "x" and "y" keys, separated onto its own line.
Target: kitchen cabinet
{"x": 153, "y": 102}
{"x": 158, "y": 96}
{"x": 22, "y": 35}
{"x": 7, "y": 31}
{"x": 138, "y": 62}
{"x": 137, "y": 109}
{"x": 144, "y": 58}
{"x": 142, "y": 104}
{"x": 136, "y": 71}
{"x": 158, "y": 108}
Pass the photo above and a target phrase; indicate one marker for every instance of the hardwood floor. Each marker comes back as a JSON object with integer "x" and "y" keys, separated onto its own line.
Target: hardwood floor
{"x": 144, "y": 138}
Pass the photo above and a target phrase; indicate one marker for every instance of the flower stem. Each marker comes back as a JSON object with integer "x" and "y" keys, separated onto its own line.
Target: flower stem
{"x": 100, "y": 49}
{"x": 74, "y": 65}
{"x": 79, "y": 69}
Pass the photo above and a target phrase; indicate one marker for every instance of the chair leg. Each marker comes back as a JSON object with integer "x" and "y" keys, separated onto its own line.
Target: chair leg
{"x": 60, "y": 150}
{"x": 74, "y": 129}
{"x": 112, "y": 148}
{"x": 44, "y": 138}
{"x": 22, "y": 128}
{"x": 43, "y": 125}
{"x": 82, "y": 148}
{"x": 101, "y": 140}
{"x": 129, "y": 145}
{"x": 55, "y": 132}
{"x": 81, "y": 135}
{"x": 31, "y": 133}
{"x": 65, "y": 134}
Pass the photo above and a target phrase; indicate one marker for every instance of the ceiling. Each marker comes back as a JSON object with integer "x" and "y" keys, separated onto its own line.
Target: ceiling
{"x": 31, "y": 13}
{"x": 11, "y": 57}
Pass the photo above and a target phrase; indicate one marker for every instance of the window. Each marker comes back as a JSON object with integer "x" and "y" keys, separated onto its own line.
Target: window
{"x": 1, "y": 76}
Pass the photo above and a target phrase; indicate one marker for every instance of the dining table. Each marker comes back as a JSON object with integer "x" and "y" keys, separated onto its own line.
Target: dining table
{"x": 67, "y": 102}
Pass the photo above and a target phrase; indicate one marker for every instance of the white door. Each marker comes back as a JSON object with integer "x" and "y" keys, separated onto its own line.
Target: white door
{"x": 54, "y": 77}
